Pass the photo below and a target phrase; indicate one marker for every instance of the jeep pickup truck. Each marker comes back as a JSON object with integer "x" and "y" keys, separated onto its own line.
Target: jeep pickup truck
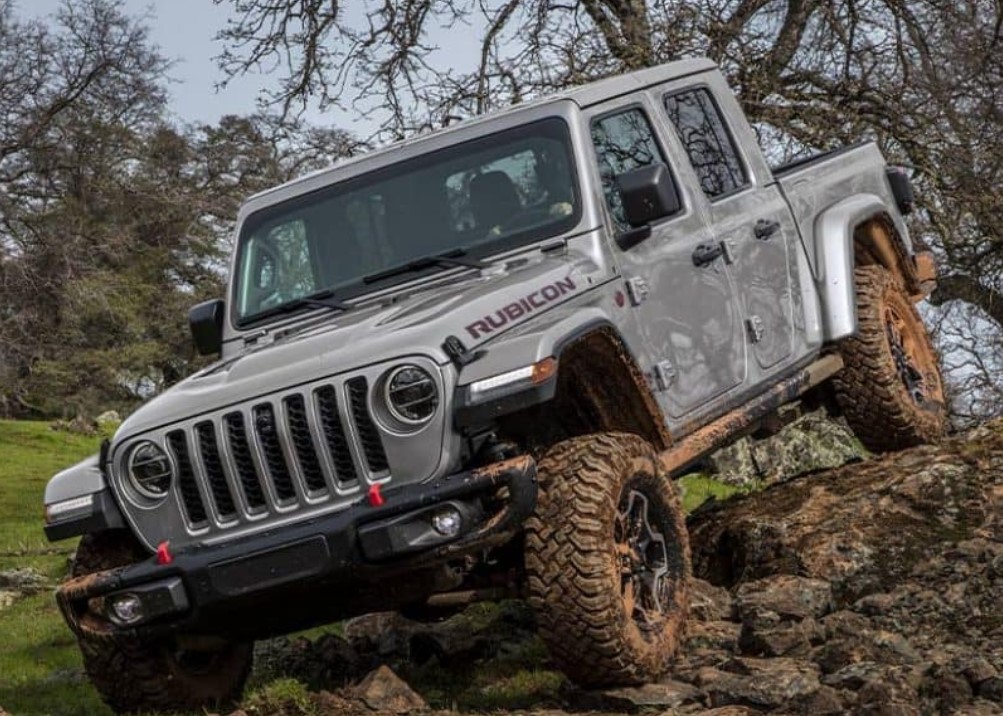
{"x": 469, "y": 365}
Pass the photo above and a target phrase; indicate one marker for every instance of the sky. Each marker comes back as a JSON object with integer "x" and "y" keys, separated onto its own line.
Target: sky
{"x": 184, "y": 32}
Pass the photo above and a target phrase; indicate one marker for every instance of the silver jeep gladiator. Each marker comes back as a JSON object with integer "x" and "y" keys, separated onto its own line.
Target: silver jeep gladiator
{"x": 469, "y": 365}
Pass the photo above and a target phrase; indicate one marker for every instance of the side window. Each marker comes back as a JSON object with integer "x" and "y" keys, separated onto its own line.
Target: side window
{"x": 702, "y": 131}
{"x": 623, "y": 142}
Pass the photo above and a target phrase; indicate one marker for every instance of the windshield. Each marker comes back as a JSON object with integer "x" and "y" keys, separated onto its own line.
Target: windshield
{"x": 479, "y": 197}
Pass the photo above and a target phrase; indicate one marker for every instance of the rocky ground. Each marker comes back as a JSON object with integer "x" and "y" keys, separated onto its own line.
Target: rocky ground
{"x": 874, "y": 588}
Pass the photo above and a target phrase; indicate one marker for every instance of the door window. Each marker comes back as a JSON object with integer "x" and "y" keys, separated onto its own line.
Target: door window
{"x": 705, "y": 138}
{"x": 623, "y": 141}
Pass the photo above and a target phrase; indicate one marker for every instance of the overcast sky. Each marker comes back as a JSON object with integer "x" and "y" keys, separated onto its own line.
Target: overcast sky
{"x": 184, "y": 31}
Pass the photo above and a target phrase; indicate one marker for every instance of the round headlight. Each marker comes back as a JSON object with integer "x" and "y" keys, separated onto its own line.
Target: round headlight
{"x": 150, "y": 470}
{"x": 411, "y": 394}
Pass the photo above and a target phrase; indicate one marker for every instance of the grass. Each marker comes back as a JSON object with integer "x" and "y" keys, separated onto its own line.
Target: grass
{"x": 40, "y": 666}
{"x": 41, "y": 673}
{"x": 698, "y": 488}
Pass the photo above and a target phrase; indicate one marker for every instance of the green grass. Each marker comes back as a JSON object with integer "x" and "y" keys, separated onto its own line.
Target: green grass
{"x": 40, "y": 666}
{"x": 698, "y": 488}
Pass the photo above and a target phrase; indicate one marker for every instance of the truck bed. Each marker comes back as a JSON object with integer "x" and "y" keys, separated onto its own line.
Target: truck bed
{"x": 813, "y": 184}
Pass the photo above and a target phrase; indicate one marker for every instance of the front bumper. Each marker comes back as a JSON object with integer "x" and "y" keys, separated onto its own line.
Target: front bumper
{"x": 312, "y": 571}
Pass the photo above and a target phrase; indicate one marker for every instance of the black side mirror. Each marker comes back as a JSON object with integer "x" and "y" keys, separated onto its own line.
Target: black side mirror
{"x": 206, "y": 323}
{"x": 648, "y": 193}
{"x": 902, "y": 190}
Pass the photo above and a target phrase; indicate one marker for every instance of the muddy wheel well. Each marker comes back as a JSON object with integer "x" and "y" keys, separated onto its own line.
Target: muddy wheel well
{"x": 599, "y": 389}
{"x": 876, "y": 241}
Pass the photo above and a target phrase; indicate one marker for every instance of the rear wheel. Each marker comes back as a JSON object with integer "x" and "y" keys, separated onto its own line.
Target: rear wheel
{"x": 607, "y": 560}
{"x": 134, "y": 675}
{"x": 890, "y": 391}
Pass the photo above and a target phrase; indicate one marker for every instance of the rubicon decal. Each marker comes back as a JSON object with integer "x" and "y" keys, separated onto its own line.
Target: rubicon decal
{"x": 524, "y": 306}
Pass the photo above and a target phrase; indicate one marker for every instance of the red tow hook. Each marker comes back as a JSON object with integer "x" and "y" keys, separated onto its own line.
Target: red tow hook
{"x": 376, "y": 498}
{"x": 164, "y": 555}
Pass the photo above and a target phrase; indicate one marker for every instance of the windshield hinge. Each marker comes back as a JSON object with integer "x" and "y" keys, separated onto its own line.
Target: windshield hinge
{"x": 458, "y": 352}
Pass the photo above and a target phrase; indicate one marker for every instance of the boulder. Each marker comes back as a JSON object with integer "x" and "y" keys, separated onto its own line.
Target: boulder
{"x": 810, "y": 443}
{"x": 382, "y": 690}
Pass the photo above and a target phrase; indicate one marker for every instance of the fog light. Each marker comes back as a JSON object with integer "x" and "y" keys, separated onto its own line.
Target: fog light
{"x": 447, "y": 522}
{"x": 126, "y": 608}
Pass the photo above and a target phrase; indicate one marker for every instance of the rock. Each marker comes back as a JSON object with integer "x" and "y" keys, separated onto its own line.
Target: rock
{"x": 26, "y": 581}
{"x": 718, "y": 635}
{"x": 666, "y": 694}
{"x": 325, "y": 662}
{"x": 382, "y": 690}
{"x": 978, "y": 670}
{"x": 384, "y": 632}
{"x": 824, "y": 701}
{"x": 765, "y": 683}
{"x": 810, "y": 443}
{"x": 764, "y": 634}
{"x": 80, "y": 425}
{"x": 992, "y": 689}
{"x": 16, "y": 584}
{"x": 108, "y": 419}
{"x": 788, "y": 596}
{"x": 867, "y": 528}
{"x": 709, "y": 603}
{"x": 855, "y": 675}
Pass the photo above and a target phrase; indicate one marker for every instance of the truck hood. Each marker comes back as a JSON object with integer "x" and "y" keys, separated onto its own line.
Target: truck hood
{"x": 474, "y": 308}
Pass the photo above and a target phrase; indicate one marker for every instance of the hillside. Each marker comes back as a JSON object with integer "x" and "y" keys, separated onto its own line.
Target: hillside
{"x": 872, "y": 588}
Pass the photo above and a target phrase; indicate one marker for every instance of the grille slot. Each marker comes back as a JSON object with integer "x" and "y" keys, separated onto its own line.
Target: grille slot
{"x": 372, "y": 446}
{"x": 190, "y": 497}
{"x": 241, "y": 450}
{"x": 306, "y": 453}
{"x": 268, "y": 436}
{"x": 209, "y": 449}
{"x": 334, "y": 433}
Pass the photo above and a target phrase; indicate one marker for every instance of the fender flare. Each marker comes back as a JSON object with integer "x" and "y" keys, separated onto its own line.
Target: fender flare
{"x": 834, "y": 257}
{"x": 552, "y": 338}
{"x": 85, "y": 479}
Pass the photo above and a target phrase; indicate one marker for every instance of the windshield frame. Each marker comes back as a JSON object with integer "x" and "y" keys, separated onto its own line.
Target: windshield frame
{"x": 558, "y": 126}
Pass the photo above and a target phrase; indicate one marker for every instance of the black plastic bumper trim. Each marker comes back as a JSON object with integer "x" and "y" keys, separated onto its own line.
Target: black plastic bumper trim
{"x": 262, "y": 566}
{"x": 104, "y": 515}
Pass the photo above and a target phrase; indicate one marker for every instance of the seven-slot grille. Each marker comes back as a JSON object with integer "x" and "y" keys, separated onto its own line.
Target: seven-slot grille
{"x": 278, "y": 454}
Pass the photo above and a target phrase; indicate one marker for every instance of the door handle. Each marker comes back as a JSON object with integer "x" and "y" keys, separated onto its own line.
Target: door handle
{"x": 704, "y": 254}
{"x": 765, "y": 228}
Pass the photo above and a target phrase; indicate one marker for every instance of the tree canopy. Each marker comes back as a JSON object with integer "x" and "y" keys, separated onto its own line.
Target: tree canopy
{"x": 923, "y": 78}
{"x": 113, "y": 220}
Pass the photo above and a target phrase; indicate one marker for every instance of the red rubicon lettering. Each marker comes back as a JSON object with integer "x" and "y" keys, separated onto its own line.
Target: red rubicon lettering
{"x": 524, "y": 306}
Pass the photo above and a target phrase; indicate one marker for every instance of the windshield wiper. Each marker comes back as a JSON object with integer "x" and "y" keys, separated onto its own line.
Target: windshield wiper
{"x": 320, "y": 299}
{"x": 456, "y": 257}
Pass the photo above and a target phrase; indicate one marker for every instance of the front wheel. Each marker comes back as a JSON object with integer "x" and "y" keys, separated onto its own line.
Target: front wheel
{"x": 608, "y": 560}
{"x": 134, "y": 675}
{"x": 890, "y": 389}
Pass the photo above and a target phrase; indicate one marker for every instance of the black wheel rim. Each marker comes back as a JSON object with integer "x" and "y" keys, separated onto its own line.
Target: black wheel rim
{"x": 908, "y": 372}
{"x": 643, "y": 560}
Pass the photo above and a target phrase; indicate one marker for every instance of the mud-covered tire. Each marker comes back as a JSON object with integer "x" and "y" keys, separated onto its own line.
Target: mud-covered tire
{"x": 133, "y": 675}
{"x": 575, "y": 561}
{"x": 890, "y": 390}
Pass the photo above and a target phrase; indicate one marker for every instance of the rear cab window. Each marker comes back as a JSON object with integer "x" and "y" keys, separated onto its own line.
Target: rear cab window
{"x": 704, "y": 136}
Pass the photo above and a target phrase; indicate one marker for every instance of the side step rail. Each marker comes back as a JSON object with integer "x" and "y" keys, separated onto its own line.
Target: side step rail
{"x": 709, "y": 438}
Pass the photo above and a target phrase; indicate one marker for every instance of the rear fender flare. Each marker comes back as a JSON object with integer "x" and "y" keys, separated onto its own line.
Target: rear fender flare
{"x": 834, "y": 250}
